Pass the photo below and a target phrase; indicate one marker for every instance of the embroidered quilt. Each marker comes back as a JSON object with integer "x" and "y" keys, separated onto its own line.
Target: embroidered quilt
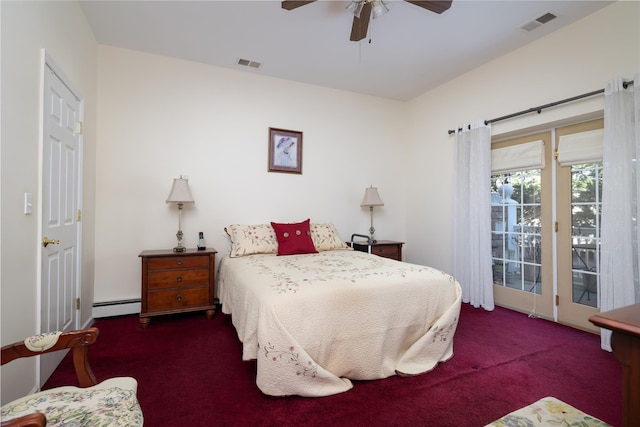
{"x": 316, "y": 321}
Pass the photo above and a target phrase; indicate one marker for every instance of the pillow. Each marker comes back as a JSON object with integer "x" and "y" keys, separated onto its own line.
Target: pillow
{"x": 251, "y": 239}
{"x": 325, "y": 237}
{"x": 294, "y": 238}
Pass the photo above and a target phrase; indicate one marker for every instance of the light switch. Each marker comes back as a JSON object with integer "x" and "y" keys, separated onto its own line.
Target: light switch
{"x": 27, "y": 203}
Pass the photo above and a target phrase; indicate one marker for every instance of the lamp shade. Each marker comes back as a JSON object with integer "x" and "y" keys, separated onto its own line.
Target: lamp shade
{"x": 371, "y": 197}
{"x": 378, "y": 8}
{"x": 355, "y": 7}
{"x": 180, "y": 192}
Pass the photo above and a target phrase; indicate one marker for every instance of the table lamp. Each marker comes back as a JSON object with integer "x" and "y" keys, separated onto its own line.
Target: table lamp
{"x": 371, "y": 198}
{"x": 180, "y": 194}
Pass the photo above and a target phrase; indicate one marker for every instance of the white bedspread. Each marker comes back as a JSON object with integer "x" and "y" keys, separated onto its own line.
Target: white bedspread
{"x": 315, "y": 321}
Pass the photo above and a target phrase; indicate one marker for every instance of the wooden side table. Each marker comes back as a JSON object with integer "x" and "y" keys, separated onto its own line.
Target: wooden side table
{"x": 177, "y": 282}
{"x": 625, "y": 341}
{"x": 384, "y": 248}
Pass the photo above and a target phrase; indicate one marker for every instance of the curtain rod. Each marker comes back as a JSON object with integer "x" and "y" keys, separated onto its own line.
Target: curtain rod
{"x": 541, "y": 107}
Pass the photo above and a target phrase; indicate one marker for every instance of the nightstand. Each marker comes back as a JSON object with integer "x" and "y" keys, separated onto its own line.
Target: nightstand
{"x": 177, "y": 282}
{"x": 383, "y": 248}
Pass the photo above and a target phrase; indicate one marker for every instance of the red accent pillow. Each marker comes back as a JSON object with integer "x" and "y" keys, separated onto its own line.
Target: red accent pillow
{"x": 294, "y": 238}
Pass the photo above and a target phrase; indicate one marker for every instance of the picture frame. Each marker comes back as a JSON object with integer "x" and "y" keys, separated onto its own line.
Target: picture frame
{"x": 285, "y": 151}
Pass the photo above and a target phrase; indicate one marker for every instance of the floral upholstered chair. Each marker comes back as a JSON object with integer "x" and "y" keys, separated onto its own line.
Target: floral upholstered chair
{"x": 113, "y": 402}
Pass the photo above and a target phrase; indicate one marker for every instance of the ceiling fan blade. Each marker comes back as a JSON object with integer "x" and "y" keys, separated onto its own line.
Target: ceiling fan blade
{"x": 361, "y": 25}
{"x": 437, "y": 6}
{"x": 292, "y": 4}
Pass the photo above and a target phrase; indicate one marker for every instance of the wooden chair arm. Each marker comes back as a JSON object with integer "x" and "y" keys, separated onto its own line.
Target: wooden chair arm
{"x": 78, "y": 341}
{"x": 32, "y": 420}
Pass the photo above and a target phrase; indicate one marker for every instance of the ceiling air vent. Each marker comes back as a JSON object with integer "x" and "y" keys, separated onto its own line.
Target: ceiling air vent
{"x": 248, "y": 63}
{"x": 529, "y": 26}
{"x": 546, "y": 18}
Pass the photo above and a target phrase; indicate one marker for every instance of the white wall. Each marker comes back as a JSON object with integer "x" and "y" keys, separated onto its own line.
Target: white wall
{"x": 577, "y": 59}
{"x": 27, "y": 28}
{"x": 161, "y": 117}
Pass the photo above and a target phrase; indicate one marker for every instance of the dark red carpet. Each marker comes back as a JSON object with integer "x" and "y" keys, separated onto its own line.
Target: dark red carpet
{"x": 190, "y": 373}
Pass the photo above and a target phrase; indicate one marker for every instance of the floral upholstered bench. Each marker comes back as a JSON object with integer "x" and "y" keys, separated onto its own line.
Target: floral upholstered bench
{"x": 548, "y": 411}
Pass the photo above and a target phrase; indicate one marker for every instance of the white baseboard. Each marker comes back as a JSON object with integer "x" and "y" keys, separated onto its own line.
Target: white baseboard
{"x": 116, "y": 308}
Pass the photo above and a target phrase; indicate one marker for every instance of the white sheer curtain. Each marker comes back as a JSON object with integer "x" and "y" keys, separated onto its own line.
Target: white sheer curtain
{"x": 620, "y": 254}
{"x": 472, "y": 215}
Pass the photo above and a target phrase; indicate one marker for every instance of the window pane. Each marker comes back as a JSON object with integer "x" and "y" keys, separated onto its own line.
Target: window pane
{"x": 586, "y": 190}
{"x": 531, "y": 215}
{"x": 515, "y": 216}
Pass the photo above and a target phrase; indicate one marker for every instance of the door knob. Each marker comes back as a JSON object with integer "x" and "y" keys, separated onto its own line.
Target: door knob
{"x": 46, "y": 241}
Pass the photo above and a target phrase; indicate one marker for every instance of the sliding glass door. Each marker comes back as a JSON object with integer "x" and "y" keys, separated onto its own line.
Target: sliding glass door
{"x": 521, "y": 224}
{"x": 579, "y": 205}
{"x": 546, "y": 224}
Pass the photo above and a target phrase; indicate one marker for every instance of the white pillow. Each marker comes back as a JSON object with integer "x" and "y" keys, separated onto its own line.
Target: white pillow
{"x": 325, "y": 237}
{"x": 251, "y": 239}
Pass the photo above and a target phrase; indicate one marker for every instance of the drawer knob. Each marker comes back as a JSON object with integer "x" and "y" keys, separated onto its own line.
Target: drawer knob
{"x": 179, "y": 298}
{"x": 179, "y": 278}
{"x": 179, "y": 262}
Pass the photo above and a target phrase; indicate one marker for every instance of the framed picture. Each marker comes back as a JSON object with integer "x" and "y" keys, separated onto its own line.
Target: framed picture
{"x": 285, "y": 151}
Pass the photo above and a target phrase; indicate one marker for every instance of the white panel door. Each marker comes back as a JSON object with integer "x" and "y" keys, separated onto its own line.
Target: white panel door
{"x": 60, "y": 210}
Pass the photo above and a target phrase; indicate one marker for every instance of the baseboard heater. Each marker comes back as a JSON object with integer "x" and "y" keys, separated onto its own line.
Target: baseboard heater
{"x": 116, "y": 308}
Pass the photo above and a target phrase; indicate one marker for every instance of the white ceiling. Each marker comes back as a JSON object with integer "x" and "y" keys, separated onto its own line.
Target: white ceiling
{"x": 407, "y": 52}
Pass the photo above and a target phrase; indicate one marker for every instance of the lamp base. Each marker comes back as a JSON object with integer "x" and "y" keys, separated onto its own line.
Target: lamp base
{"x": 179, "y": 249}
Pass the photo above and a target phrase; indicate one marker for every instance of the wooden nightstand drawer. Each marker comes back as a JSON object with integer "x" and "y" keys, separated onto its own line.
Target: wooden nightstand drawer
{"x": 177, "y": 282}
{"x": 178, "y": 262}
{"x": 387, "y": 251}
{"x": 177, "y": 298}
{"x": 177, "y": 278}
{"x": 384, "y": 248}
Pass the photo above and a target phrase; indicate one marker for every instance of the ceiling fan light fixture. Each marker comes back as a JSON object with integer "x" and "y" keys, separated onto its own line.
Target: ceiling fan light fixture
{"x": 378, "y": 8}
{"x": 355, "y": 7}
{"x": 363, "y": 9}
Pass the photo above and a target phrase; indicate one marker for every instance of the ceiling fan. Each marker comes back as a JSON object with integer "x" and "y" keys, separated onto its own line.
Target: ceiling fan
{"x": 362, "y": 10}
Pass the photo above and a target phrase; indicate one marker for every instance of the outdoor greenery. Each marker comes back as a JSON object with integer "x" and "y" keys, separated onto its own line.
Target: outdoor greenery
{"x": 586, "y": 186}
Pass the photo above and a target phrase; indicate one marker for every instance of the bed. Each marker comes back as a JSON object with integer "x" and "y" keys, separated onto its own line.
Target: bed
{"x": 318, "y": 318}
